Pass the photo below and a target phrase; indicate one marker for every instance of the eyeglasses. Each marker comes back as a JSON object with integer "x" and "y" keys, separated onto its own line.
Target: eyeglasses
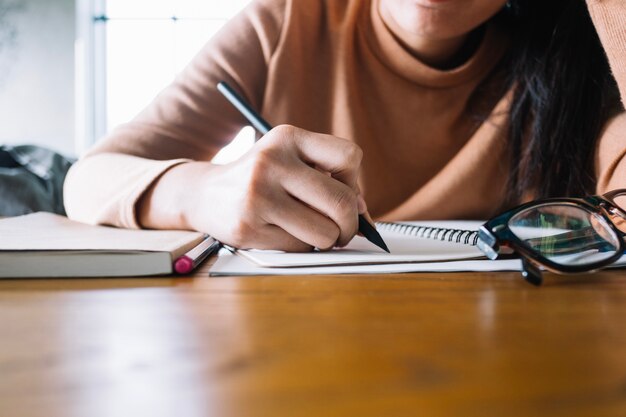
{"x": 562, "y": 235}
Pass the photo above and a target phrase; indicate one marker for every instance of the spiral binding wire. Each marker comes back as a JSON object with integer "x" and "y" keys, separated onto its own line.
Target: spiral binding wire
{"x": 467, "y": 237}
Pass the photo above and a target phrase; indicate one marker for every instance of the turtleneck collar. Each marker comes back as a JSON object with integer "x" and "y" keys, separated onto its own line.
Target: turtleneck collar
{"x": 399, "y": 59}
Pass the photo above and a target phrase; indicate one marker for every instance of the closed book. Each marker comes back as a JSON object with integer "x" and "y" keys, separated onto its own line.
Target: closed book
{"x": 49, "y": 245}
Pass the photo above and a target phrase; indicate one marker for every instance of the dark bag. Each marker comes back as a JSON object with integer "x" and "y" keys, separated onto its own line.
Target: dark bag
{"x": 31, "y": 179}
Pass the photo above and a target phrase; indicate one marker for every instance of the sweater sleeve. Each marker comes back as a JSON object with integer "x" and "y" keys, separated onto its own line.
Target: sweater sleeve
{"x": 609, "y": 18}
{"x": 189, "y": 120}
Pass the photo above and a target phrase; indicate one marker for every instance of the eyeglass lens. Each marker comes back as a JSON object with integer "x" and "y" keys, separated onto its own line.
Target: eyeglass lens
{"x": 565, "y": 234}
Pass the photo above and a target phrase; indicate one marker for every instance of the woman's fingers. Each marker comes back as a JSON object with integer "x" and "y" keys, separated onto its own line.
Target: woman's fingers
{"x": 328, "y": 196}
{"x": 340, "y": 157}
{"x": 301, "y": 161}
{"x": 275, "y": 238}
{"x": 304, "y": 223}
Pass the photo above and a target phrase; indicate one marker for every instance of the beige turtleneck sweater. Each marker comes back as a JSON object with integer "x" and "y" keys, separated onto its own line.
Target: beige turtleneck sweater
{"x": 334, "y": 67}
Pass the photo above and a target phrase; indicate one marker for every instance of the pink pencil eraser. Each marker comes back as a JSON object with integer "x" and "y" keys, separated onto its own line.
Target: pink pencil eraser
{"x": 183, "y": 265}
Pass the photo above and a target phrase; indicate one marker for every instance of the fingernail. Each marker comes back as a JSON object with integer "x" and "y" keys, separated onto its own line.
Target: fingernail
{"x": 361, "y": 204}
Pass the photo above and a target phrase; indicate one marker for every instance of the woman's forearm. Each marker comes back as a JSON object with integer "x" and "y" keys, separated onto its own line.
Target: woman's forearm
{"x": 104, "y": 188}
{"x": 167, "y": 202}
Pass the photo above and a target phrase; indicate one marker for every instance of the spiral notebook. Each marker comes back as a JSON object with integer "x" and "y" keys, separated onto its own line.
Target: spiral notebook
{"x": 426, "y": 246}
{"x": 410, "y": 242}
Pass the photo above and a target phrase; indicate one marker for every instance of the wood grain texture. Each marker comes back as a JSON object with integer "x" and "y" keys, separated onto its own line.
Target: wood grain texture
{"x": 398, "y": 345}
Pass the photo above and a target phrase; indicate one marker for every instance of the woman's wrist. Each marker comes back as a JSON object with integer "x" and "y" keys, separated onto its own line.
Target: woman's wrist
{"x": 171, "y": 198}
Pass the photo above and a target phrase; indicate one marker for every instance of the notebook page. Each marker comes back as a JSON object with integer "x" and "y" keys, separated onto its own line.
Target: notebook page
{"x": 403, "y": 248}
{"x": 228, "y": 264}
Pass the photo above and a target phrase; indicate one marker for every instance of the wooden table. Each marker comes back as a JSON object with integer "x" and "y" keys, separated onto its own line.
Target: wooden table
{"x": 397, "y": 345}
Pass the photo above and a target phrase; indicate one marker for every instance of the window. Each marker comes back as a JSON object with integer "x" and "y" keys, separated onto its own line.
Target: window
{"x": 138, "y": 47}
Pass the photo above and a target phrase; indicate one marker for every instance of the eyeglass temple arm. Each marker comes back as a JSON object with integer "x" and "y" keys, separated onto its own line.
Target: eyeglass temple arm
{"x": 531, "y": 272}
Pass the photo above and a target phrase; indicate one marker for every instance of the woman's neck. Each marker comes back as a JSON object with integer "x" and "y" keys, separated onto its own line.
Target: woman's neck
{"x": 438, "y": 53}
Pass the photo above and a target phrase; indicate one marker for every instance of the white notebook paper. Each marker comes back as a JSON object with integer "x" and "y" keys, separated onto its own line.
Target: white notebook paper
{"x": 229, "y": 264}
{"x": 404, "y": 249}
{"x": 409, "y": 253}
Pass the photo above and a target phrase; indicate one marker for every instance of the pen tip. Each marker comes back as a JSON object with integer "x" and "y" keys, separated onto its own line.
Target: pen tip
{"x": 381, "y": 244}
{"x": 372, "y": 234}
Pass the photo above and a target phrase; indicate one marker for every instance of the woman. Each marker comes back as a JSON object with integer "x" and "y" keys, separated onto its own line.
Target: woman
{"x": 428, "y": 108}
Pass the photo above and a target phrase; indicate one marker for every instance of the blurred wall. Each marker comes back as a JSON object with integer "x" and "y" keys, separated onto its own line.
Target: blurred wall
{"x": 37, "y": 73}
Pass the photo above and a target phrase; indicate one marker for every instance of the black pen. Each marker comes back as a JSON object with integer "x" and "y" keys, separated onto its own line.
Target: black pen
{"x": 366, "y": 229}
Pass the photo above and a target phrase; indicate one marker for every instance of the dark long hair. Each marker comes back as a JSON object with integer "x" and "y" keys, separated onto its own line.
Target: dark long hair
{"x": 563, "y": 95}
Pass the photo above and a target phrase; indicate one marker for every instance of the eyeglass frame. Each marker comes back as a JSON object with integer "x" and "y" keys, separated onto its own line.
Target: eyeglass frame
{"x": 496, "y": 233}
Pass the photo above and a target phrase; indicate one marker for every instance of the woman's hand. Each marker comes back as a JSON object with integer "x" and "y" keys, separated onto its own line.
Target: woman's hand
{"x": 294, "y": 190}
